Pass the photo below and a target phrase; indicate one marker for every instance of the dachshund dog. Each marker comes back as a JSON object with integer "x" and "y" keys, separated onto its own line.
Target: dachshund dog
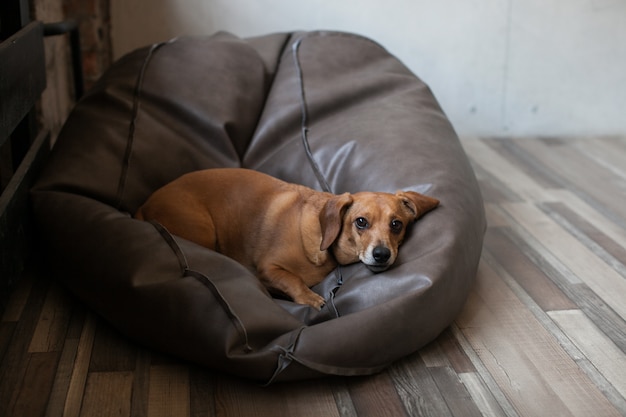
{"x": 290, "y": 236}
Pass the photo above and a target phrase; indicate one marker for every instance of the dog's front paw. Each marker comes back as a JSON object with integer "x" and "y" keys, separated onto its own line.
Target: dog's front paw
{"x": 310, "y": 298}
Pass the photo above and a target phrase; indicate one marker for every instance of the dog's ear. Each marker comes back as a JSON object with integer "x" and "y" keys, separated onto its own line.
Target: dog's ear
{"x": 418, "y": 204}
{"x": 331, "y": 218}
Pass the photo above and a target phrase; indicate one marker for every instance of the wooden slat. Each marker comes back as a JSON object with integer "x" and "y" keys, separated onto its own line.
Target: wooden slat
{"x": 141, "y": 385}
{"x": 375, "y": 396}
{"x": 457, "y": 397}
{"x": 169, "y": 391}
{"x": 78, "y": 379}
{"x": 50, "y": 333}
{"x": 418, "y": 391}
{"x": 583, "y": 175}
{"x": 600, "y": 277}
{"x": 16, "y": 223}
{"x": 111, "y": 351}
{"x": 484, "y": 377}
{"x": 343, "y": 399}
{"x": 239, "y": 399}
{"x": 482, "y": 396}
{"x": 579, "y": 293}
{"x": 528, "y": 363}
{"x": 22, "y": 82}
{"x": 611, "y": 251}
{"x": 108, "y": 394}
{"x": 584, "y": 210}
{"x": 597, "y": 347}
{"x": 526, "y": 163}
{"x": 514, "y": 179}
{"x": 31, "y": 396}
{"x": 201, "y": 393}
{"x": 491, "y": 187}
{"x": 445, "y": 351}
{"x": 60, "y": 387}
{"x": 526, "y": 273}
{"x": 14, "y": 362}
{"x": 609, "y": 152}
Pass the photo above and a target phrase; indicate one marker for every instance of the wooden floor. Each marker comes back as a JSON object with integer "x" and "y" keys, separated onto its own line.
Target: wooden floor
{"x": 543, "y": 332}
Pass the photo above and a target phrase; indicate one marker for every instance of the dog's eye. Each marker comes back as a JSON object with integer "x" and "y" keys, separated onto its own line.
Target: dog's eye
{"x": 396, "y": 226}
{"x": 361, "y": 223}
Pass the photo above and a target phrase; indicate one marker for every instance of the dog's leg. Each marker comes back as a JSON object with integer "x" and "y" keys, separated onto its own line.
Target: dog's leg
{"x": 277, "y": 278}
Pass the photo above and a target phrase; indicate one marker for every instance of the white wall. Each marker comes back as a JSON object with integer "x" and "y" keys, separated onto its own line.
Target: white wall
{"x": 498, "y": 67}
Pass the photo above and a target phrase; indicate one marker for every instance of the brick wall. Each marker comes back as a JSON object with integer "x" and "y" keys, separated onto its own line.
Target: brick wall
{"x": 93, "y": 19}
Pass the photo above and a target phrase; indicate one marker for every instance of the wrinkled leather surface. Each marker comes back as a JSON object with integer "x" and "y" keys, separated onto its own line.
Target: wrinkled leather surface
{"x": 221, "y": 101}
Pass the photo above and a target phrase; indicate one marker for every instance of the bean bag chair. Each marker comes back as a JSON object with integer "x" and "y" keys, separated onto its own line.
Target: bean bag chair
{"x": 328, "y": 110}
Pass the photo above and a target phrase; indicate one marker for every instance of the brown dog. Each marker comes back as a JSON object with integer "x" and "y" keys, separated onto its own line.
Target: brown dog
{"x": 289, "y": 235}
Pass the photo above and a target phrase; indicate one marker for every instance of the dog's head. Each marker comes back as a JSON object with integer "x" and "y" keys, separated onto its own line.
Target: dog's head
{"x": 369, "y": 227}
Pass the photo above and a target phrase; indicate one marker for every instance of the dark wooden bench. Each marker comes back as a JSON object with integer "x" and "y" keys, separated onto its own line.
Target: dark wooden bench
{"x": 24, "y": 145}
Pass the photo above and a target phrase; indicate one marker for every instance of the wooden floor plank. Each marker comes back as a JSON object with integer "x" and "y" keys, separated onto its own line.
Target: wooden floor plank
{"x": 343, "y": 399}
{"x": 201, "y": 393}
{"x": 78, "y": 379}
{"x": 511, "y": 176}
{"x": 31, "y": 396}
{"x": 107, "y": 394}
{"x": 141, "y": 384}
{"x": 545, "y": 293}
{"x": 417, "y": 389}
{"x": 60, "y": 387}
{"x": 457, "y": 397}
{"x": 433, "y": 355}
{"x": 169, "y": 391}
{"x": 308, "y": 398}
{"x": 600, "y": 277}
{"x": 493, "y": 190}
{"x": 599, "y": 221}
{"x": 581, "y": 295}
{"x": 610, "y": 251}
{"x": 482, "y": 396}
{"x": 16, "y": 357}
{"x": 51, "y": 329}
{"x": 597, "y": 347}
{"x": 525, "y": 162}
{"x": 609, "y": 152}
{"x": 581, "y": 174}
{"x": 483, "y": 376}
{"x": 375, "y": 396}
{"x": 111, "y": 351}
{"x": 446, "y": 351}
{"x": 537, "y": 375}
{"x": 451, "y": 347}
{"x": 495, "y": 216}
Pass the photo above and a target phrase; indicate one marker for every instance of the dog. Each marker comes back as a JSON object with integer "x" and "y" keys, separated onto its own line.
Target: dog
{"x": 290, "y": 236}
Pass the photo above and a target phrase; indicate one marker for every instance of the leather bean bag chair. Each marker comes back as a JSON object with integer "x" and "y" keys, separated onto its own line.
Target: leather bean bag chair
{"x": 322, "y": 109}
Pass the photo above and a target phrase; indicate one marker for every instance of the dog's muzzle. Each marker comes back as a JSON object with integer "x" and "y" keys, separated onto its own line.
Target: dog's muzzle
{"x": 380, "y": 257}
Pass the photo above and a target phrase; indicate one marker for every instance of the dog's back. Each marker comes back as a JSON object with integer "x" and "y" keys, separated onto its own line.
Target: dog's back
{"x": 238, "y": 212}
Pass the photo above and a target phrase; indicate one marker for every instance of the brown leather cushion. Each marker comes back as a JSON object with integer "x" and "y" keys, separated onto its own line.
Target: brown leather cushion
{"x": 220, "y": 101}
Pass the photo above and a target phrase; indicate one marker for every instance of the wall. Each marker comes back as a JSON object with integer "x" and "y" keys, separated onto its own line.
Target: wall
{"x": 498, "y": 67}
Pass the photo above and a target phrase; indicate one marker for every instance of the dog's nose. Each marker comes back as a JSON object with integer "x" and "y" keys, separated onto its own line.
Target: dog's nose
{"x": 381, "y": 254}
